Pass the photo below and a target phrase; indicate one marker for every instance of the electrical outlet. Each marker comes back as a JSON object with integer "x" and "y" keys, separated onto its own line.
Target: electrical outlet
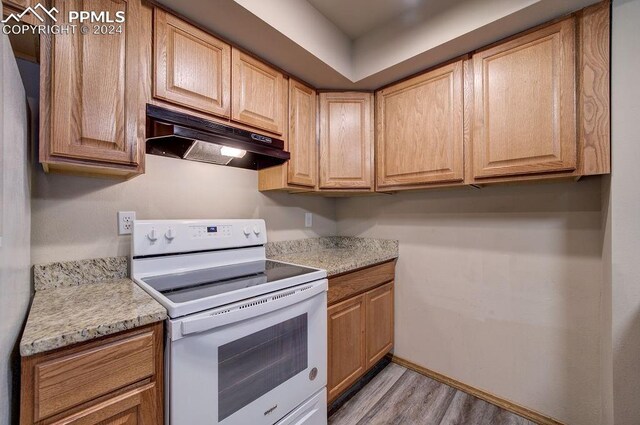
{"x": 125, "y": 222}
{"x": 308, "y": 219}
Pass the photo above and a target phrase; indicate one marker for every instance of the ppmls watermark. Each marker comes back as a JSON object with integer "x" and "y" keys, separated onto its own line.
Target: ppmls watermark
{"x": 78, "y": 21}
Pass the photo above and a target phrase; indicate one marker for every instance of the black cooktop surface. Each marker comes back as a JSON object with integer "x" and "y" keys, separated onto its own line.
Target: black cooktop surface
{"x": 196, "y": 284}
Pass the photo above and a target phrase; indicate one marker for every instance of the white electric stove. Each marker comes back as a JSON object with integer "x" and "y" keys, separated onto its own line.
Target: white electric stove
{"x": 246, "y": 336}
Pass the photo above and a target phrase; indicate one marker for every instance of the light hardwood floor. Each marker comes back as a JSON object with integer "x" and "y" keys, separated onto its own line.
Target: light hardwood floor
{"x": 401, "y": 396}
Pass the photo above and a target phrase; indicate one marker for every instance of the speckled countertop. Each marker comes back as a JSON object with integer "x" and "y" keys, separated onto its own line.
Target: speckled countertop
{"x": 78, "y": 301}
{"x": 335, "y": 254}
{"x": 69, "y": 310}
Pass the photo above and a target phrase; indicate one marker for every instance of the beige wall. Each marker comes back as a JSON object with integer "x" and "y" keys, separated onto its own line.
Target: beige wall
{"x": 499, "y": 287}
{"x": 76, "y": 217}
{"x": 15, "y": 264}
{"x": 606, "y": 352}
{"x": 625, "y": 212}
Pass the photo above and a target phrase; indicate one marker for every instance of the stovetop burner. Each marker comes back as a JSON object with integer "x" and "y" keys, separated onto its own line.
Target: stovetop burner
{"x": 191, "y": 285}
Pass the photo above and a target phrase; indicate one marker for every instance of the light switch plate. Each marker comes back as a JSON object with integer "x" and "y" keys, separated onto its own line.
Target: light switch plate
{"x": 125, "y": 222}
{"x": 308, "y": 219}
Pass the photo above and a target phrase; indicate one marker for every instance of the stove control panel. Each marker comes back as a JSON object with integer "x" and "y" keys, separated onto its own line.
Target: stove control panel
{"x": 158, "y": 237}
{"x": 210, "y": 231}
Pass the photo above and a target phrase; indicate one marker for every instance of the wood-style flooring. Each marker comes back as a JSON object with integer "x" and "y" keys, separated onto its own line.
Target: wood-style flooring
{"x": 401, "y": 396}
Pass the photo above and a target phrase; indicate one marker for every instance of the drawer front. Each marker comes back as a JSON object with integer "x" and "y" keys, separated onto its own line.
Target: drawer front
{"x": 350, "y": 284}
{"x": 136, "y": 407}
{"x": 68, "y": 381}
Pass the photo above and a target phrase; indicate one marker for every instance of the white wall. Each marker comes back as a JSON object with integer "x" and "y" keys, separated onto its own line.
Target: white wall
{"x": 498, "y": 288}
{"x": 625, "y": 212}
{"x": 75, "y": 217}
{"x": 15, "y": 263}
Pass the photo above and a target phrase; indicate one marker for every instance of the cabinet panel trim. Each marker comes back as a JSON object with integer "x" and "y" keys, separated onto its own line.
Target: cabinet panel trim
{"x": 452, "y": 75}
{"x": 362, "y": 177}
{"x": 561, "y": 39}
{"x": 296, "y": 174}
{"x": 240, "y": 110}
{"x": 166, "y": 27}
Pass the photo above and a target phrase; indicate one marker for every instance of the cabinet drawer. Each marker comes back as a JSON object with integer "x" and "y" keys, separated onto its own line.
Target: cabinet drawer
{"x": 350, "y": 284}
{"x": 68, "y": 381}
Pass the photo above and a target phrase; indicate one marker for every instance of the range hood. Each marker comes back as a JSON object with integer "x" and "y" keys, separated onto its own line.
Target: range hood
{"x": 178, "y": 135}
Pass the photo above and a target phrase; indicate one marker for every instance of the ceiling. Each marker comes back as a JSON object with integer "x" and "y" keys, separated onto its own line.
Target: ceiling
{"x": 364, "y": 44}
{"x": 357, "y": 17}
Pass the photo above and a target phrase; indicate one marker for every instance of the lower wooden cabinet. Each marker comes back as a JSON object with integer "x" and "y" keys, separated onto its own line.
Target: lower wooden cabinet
{"x": 360, "y": 328}
{"x": 379, "y": 322}
{"x": 346, "y": 330}
{"x": 131, "y": 408}
{"x": 113, "y": 380}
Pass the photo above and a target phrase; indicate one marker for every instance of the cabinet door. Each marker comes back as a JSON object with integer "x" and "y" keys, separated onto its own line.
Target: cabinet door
{"x": 258, "y": 93}
{"x": 303, "y": 165}
{"x": 346, "y": 330}
{"x": 420, "y": 129}
{"x": 379, "y": 324}
{"x": 346, "y": 141}
{"x": 95, "y": 88}
{"x": 136, "y": 407}
{"x": 192, "y": 68}
{"x": 525, "y": 104}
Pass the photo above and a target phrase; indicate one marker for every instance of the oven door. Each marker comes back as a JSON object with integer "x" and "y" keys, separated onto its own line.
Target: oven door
{"x": 251, "y": 362}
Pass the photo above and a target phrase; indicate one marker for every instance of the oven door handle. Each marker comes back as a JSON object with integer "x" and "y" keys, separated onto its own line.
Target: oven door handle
{"x": 248, "y": 309}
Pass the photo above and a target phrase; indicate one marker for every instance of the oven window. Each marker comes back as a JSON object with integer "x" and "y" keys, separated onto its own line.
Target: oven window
{"x": 255, "y": 364}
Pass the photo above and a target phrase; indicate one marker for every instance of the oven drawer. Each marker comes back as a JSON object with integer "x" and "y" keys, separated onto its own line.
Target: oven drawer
{"x": 71, "y": 380}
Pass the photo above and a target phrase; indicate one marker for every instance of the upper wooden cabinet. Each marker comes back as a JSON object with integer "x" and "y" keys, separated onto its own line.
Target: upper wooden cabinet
{"x": 419, "y": 125}
{"x": 303, "y": 165}
{"x": 346, "y": 141}
{"x": 259, "y": 93}
{"x": 524, "y": 118}
{"x": 192, "y": 68}
{"x": 92, "y": 119}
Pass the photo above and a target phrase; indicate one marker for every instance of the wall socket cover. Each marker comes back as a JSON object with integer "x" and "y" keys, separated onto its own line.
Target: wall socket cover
{"x": 125, "y": 222}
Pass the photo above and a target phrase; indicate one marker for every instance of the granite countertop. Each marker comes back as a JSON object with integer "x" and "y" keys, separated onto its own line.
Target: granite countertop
{"x": 67, "y": 311}
{"x": 334, "y": 254}
{"x": 78, "y": 301}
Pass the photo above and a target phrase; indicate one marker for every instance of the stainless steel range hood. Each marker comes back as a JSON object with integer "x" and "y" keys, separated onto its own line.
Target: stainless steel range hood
{"x": 178, "y": 135}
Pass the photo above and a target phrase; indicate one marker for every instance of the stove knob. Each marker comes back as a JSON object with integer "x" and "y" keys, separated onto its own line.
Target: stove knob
{"x": 152, "y": 235}
{"x": 256, "y": 230}
{"x": 170, "y": 235}
{"x": 246, "y": 231}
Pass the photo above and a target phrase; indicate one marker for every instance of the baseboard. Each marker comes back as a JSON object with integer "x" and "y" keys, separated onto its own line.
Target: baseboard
{"x": 525, "y": 412}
